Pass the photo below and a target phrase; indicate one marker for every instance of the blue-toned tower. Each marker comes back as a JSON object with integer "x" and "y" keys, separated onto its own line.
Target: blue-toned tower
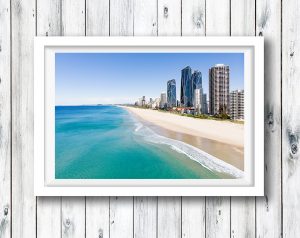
{"x": 186, "y": 96}
{"x": 171, "y": 93}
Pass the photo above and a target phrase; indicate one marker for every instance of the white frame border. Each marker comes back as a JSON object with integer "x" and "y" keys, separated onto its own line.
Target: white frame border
{"x": 78, "y": 189}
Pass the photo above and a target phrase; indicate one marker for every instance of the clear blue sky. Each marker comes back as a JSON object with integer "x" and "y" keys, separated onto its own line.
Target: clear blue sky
{"x": 92, "y": 78}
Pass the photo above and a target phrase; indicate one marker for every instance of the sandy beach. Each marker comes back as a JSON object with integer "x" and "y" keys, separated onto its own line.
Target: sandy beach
{"x": 223, "y": 139}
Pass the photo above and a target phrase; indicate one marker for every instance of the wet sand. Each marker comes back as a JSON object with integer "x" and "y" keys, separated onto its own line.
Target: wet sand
{"x": 230, "y": 153}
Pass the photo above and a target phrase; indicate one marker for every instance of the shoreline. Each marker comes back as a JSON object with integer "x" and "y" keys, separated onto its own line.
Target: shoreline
{"x": 196, "y": 132}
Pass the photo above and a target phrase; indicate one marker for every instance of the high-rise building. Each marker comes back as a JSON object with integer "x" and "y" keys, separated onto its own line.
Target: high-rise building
{"x": 237, "y": 105}
{"x": 186, "y": 87}
{"x": 219, "y": 89}
{"x": 204, "y": 104}
{"x": 171, "y": 93}
{"x": 196, "y": 80}
{"x": 197, "y": 100}
{"x": 163, "y": 100}
{"x": 143, "y": 101}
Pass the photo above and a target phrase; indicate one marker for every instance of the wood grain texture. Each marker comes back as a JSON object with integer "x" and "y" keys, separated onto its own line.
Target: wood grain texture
{"x": 268, "y": 208}
{"x": 193, "y": 217}
{"x": 48, "y": 23}
{"x": 97, "y": 18}
{"x": 218, "y": 208}
{"x": 73, "y": 217}
{"x": 193, "y": 17}
{"x": 121, "y": 217}
{"x": 217, "y": 217}
{"x": 5, "y": 121}
{"x": 242, "y": 208}
{"x": 169, "y": 17}
{"x": 290, "y": 117}
{"x": 48, "y": 222}
{"x": 23, "y": 201}
{"x": 97, "y": 217}
{"x": 73, "y": 17}
{"x": 48, "y": 19}
{"x": 169, "y": 217}
{"x": 121, "y": 17}
{"x": 218, "y": 18}
{"x": 145, "y": 217}
{"x": 145, "y": 18}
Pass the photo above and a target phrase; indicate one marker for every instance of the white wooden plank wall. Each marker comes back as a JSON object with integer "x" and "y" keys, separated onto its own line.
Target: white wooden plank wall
{"x": 275, "y": 215}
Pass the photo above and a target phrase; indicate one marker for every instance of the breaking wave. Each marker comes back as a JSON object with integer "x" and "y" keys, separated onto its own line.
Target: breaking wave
{"x": 206, "y": 160}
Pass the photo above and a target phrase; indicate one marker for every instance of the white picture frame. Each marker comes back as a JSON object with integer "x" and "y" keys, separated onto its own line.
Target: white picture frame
{"x": 45, "y": 184}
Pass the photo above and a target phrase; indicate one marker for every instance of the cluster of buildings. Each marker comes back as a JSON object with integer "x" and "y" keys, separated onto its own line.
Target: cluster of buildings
{"x": 192, "y": 98}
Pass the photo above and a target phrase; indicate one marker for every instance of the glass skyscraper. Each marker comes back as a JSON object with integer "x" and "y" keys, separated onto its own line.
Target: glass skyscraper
{"x": 186, "y": 95}
{"x": 171, "y": 93}
{"x": 196, "y": 80}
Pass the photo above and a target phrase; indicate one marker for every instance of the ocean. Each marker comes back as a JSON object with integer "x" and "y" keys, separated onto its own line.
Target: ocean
{"x": 108, "y": 142}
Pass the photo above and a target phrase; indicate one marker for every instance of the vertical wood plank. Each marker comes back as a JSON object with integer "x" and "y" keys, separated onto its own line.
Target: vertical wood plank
{"x": 73, "y": 209}
{"x": 169, "y": 217}
{"x": 121, "y": 17}
{"x": 242, "y": 208}
{"x": 73, "y": 217}
{"x": 145, "y": 217}
{"x": 169, "y": 208}
{"x": 193, "y": 217}
{"x": 268, "y": 208}
{"x": 5, "y": 120}
{"x": 97, "y": 18}
{"x": 73, "y": 17}
{"x": 217, "y": 217}
{"x": 291, "y": 115}
{"x": 242, "y": 18}
{"x": 48, "y": 217}
{"x": 145, "y": 208}
{"x": 145, "y": 18}
{"x": 97, "y": 208}
{"x": 218, "y": 208}
{"x": 48, "y": 208}
{"x": 121, "y": 208}
{"x": 193, "y": 17}
{"x": 23, "y": 201}
{"x": 218, "y": 17}
{"x": 121, "y": 217}
{"x": 193, "y": 208}
{"x": 169, "y": 17}
{"x": 97, "y": 217}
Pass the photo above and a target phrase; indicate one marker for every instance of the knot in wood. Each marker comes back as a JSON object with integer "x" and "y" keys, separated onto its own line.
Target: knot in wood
{"x": 198, "y": 22}
{"x": 166, "y": 12}
{"x": 294, "y": 148}
{"x": 293, "y": 139}
{"x": 100, "y": 233}
{"x": 5, "y": 210}
{"x": 68, "y": 222}
{"x": 270, "y": 120}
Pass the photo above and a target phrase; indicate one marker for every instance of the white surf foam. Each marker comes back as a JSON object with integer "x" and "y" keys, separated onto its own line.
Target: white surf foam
{"x": 206, "y": 160}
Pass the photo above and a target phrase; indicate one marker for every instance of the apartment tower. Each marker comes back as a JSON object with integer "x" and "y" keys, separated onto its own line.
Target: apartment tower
{"x": 237, "y": 105}
{"x": 219, "y": 89}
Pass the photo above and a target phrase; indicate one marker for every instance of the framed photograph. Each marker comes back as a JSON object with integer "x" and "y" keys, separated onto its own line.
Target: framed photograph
{"x": 148, "y": 116}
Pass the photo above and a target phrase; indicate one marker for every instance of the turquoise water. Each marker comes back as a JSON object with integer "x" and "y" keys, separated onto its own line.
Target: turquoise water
{"x": 107, "y": 142}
